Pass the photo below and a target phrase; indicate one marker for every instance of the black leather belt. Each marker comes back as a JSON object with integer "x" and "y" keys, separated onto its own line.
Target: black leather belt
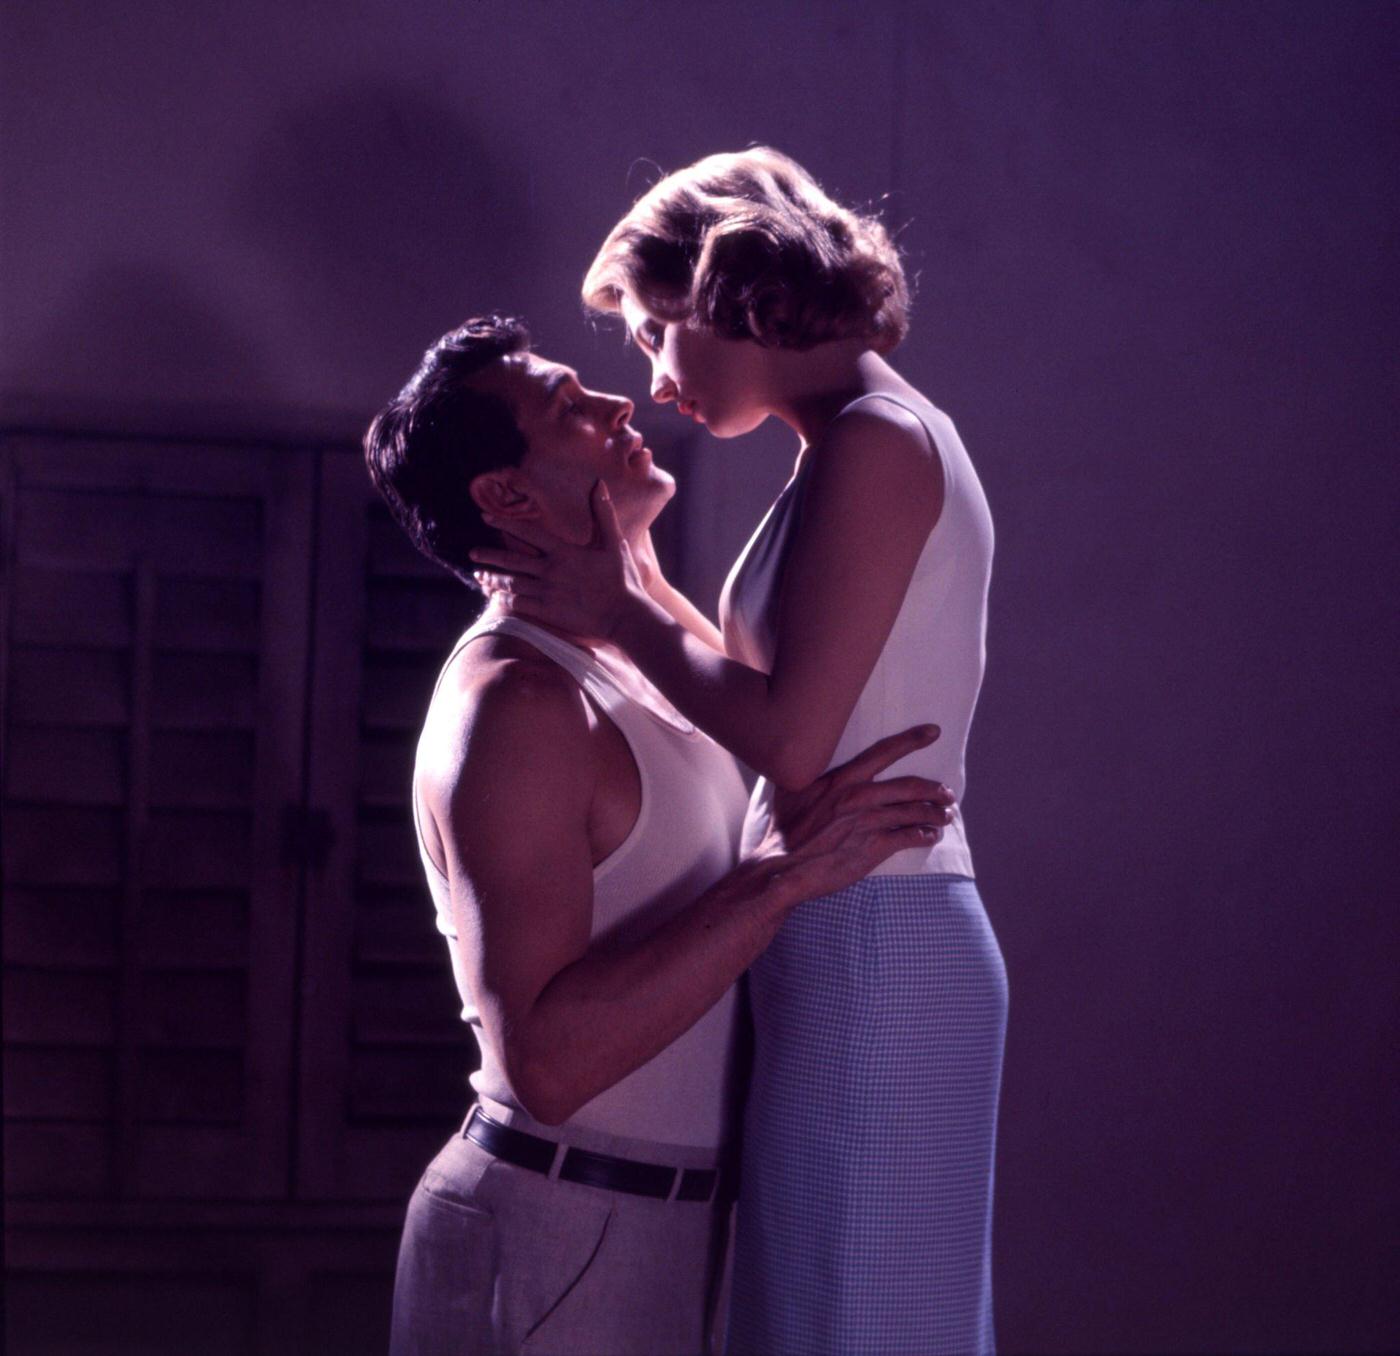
{"x": 596, "y": 1170}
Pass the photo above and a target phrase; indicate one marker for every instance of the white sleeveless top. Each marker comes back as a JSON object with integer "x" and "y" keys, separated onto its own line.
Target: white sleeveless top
{"x": 931, "y": 666}
{"x": 684, "y": 839}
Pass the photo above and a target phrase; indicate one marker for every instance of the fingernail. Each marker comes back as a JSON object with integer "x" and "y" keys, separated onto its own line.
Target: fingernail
{"x": 492, "y": 520}
{"x": 932, "y": 732}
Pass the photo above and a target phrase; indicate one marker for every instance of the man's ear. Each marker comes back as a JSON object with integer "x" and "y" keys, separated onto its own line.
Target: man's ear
{"x": 503, "y": 493}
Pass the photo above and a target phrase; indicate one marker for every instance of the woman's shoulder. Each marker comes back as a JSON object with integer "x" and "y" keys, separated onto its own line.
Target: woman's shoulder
{"x": 884, "y": 425}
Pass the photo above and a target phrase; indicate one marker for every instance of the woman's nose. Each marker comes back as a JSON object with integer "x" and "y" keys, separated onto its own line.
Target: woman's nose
{"x": 623, "y": 412}
{"x": 662, "y": 388}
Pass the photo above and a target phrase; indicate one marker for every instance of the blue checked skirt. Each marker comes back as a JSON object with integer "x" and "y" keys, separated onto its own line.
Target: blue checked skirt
{"x": 865, "y": 1210}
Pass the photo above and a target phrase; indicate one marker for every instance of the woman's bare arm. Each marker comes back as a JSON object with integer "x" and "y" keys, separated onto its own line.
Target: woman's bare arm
{"x": 875, "y": 492}
{"x": 683, "y": 611}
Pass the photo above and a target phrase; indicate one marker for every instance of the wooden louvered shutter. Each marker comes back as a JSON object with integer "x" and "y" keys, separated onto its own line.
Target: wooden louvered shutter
{"x": 154, "y": 692}
{"x": 385, "y": 1056}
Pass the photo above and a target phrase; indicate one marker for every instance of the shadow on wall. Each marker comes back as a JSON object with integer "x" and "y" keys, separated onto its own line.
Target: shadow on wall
{"x": 143, "y": 340}
{"x": 380, "y": 211}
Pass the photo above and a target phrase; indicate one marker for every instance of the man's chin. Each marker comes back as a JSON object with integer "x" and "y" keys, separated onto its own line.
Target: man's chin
{"x": 645, "y": 506}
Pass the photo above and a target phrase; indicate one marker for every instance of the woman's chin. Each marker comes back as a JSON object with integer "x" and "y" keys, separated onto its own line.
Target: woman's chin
{"x": 721, "y": 428}
{"x": 734, "y": 426}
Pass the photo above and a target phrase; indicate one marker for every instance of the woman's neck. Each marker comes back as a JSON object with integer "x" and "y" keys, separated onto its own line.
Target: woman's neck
{"x": 809, "y": 389}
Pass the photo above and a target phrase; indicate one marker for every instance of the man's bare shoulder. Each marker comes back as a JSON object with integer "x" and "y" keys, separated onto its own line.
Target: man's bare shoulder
{"x": 503, "y": 712}
{"x": 502, "y": 673}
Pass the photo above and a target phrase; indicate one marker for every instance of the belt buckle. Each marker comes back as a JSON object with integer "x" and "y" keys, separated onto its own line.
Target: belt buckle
{"x": 689, "y": 1182}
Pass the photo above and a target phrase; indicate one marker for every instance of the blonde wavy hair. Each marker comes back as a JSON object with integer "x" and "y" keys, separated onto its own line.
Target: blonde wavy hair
{"x": 750, "y": 246}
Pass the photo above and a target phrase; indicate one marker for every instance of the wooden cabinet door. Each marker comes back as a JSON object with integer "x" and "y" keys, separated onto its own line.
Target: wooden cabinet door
{"x": 154, "y": 693}
{"x": 384, "y": 1055}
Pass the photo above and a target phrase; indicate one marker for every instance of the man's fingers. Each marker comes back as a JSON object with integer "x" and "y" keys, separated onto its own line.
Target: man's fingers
{"x": 882, "y": 753}
{"x": 899, "y": 790}
{"x": 609, "y": 533}
{"x": 891, "y": 817}
{"x": 914, "y": 837}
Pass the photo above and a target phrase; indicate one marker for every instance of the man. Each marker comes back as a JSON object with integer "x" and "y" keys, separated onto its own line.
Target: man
{"x": 578, "y": 837}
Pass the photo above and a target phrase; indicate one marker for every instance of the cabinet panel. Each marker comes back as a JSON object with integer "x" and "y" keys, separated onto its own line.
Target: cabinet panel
{"x": 384, "y": 1055}
{"x": 210, "y": 862}
{"x": 154, "y": 691}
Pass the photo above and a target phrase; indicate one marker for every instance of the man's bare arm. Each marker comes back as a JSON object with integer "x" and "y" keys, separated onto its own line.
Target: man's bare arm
{"x": 569, "y": 1017}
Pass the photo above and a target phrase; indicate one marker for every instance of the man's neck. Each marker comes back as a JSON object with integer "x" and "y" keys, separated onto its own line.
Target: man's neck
{"x": 499, "y": 605}
{"x": 499, "y": 608}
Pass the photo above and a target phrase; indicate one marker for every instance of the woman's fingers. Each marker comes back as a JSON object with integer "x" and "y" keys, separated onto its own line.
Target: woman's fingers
{"x": 608, "y": 532}
{"x": 531, "y": 533}
{"x": 882, "y": 753}
{"x": 508, "y": 562}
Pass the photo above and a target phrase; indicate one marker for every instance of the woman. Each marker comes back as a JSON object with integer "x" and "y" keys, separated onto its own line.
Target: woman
{"x": 858, "y": 607}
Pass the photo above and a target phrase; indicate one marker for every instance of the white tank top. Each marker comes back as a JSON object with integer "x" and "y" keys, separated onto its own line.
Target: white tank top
{"x": 931, "y": 666}
{"x": 684, "y": 839}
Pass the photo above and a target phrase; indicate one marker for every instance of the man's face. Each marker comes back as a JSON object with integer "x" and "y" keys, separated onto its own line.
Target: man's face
{"x": 575, "y": 437}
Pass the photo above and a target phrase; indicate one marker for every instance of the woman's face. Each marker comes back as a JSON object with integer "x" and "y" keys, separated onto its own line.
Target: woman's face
{"x": 717, "y": 382}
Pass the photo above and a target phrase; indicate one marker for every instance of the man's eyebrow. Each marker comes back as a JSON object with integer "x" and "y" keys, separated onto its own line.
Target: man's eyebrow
{"x": 561, "y": 377}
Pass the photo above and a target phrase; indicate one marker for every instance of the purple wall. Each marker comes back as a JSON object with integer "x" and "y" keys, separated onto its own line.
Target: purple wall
{"x": 1156, "y": 256}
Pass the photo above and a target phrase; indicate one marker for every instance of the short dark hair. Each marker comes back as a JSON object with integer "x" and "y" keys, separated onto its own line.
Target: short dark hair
{"x": 425, "y": 446}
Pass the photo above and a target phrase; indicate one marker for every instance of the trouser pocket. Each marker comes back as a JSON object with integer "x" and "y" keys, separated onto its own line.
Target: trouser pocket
{"x": 554, "y": 1329}
{"x": 445, "y": 1278}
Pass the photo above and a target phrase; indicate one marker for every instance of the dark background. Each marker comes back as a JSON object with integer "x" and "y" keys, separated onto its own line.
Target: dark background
{"x": 1155, "y": 250}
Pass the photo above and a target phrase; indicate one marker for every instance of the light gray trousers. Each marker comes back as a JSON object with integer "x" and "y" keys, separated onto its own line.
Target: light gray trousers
{"x": 497, "y": 1260}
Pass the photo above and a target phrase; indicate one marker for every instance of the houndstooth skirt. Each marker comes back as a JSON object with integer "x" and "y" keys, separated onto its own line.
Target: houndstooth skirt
{"x": 864, "y": 1222}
